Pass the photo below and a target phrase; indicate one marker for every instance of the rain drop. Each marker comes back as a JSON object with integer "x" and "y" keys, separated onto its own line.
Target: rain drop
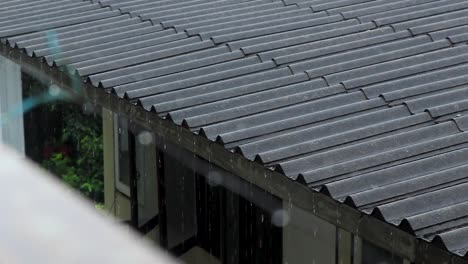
{"x": 280, "y": 218}
{"x": 88, "y": 108}
{"x": 214, "y": 178}
{"x": 54, "y": 90}
{"x": 145, "y": 138}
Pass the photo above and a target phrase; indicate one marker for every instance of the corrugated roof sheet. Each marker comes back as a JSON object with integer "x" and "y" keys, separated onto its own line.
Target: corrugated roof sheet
{"x": 364, "y": 100}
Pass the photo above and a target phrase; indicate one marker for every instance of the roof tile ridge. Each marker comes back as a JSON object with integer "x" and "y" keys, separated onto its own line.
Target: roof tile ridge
{"x": 292, "y": 4}
{"x": 442, "y": 121}
{"x": 111, "y": 7}
{"x": 390, "y": 104}
{"x": 127, "y": 13}
{"x": 459, "y": 121}
{"x": 430, "y": 36}
{"x": 367, "y": 98}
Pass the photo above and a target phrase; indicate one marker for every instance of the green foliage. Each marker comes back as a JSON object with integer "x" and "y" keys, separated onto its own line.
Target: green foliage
{"x": 82, "y": 169}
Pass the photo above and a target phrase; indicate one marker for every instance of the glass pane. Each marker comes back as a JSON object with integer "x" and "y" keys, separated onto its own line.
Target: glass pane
{"x": 147, "y": 188}
{"x": 123, "y": 150}
{"x": 180, "y": 202}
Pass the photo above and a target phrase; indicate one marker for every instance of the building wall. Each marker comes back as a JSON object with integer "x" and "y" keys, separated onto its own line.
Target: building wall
{"x": 11, "y": 116}
{"x": 306, "y": 238}
{"x": 154, "y": 235}
{"x": 122, "y": 206}
{"x": 199, "y": 255}
{"x": 109, "y": 166}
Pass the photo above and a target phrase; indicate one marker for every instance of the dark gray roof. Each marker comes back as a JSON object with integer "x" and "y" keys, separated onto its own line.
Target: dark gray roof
{"x": 364, "y": 100}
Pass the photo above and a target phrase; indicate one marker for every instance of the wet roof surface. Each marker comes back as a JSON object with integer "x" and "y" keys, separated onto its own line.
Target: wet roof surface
{"x": 366, "y": 101}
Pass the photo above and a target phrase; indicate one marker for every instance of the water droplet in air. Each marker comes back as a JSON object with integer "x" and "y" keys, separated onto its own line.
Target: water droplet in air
{"x": 54, "y": 90}
{"x": 214, "y": 178}
{"x": 145, "y": 138}
{"x": 280, "y": 218}
{"x": 88, "y": 108}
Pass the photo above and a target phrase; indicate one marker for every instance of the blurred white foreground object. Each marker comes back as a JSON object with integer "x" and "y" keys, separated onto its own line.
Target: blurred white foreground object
{"x": 44, "y": 222}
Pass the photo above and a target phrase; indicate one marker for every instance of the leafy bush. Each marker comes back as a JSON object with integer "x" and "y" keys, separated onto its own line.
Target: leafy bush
{"x": 82, "y": 169}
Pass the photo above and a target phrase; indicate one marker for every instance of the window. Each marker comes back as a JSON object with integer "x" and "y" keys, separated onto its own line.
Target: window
{"x": 206, "y": 209}
{"x": 122, "y": 147}
{"x": 135, "y": 158}
{"x": 179, "y": 204}
{"x": 146, "y": 174}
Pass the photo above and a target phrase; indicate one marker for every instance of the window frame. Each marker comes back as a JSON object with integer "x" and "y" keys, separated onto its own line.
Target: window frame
{"x": 119, "y": 185}
{"x": 133, "y": 190}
